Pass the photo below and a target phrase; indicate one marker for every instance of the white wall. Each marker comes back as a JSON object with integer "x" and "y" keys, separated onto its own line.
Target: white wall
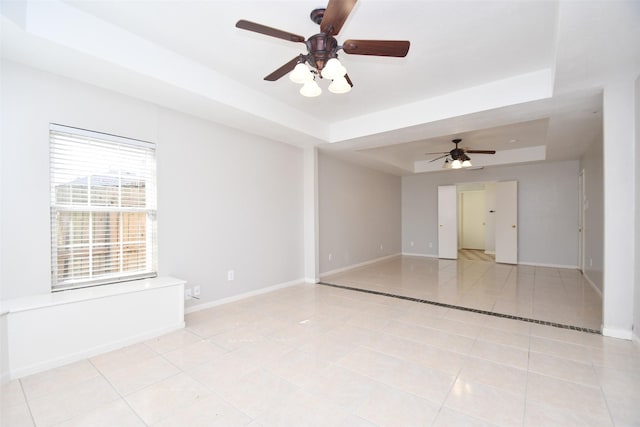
{"x": 593, "y": 227}
{"x": 226, "y": 199}
{"x": 547, "y": 209}
{"x": 359, "y": 210}
{"x": 619, "y": 115}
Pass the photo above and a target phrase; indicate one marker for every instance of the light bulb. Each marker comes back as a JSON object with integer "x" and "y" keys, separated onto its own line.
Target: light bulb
{"x": 466, "y": 164}
{"x": 300, "y": 74}
{"x": 333, "y": 69}
{"x": 456, "y": 164}
{"x": 447, "y": 164}
{"x": 310, "y": 89}
{"x": 340, "y": 85}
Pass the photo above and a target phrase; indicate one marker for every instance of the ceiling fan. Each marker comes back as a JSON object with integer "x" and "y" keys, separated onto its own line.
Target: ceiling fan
{"x": 457, "y": 158}
{"x": 322, "y": 49}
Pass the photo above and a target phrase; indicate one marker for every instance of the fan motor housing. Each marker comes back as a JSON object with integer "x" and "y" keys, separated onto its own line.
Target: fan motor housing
{"x": 457, "y": 153}
{"x": 321, "y": 47}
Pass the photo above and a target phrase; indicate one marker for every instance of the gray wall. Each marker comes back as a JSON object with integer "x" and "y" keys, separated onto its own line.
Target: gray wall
{"x": 591, "y": 164}
{"x": 636, "y": 313}
{"x": 547, "y": 209}
{"x": 226, "y": 199}
{"x": 359, "y": 210}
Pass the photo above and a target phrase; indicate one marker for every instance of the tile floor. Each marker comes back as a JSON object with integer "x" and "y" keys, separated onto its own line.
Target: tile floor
{"x": 317, "y": 355}
{"x": 556, "y": 295}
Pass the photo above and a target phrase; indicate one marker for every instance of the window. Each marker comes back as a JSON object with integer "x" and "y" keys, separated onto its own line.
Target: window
{"x": 103, "y": 208}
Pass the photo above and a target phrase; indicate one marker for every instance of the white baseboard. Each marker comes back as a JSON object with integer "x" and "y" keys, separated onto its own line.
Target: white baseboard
{"x": 311, "y": 281}
{"x": 533, "y": 264}
{"x": 244, "y": 295}
{"x": 419, "y": 255}
{"x": 541, "y": 264}
{"x": 617, "y": 333}
{"x": 361, "y": 264}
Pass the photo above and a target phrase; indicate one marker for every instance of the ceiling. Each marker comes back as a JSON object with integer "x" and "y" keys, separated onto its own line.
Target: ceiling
{"x": 524, "y": 78}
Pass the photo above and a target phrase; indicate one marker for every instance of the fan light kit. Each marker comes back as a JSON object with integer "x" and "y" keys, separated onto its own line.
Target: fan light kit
{"x": 457, "y": 158}
{"x": 321, "y": 59}
{"x": 334, "y": 71}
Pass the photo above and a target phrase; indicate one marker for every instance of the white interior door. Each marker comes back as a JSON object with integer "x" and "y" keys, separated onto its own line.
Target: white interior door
{"x": 490, "y": 218}
{"x": 447, "y": 222}
{"x": 507, "y": 222}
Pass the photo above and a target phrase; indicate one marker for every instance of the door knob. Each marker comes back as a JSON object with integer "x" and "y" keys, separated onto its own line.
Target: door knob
{"x": 513, "y": 226}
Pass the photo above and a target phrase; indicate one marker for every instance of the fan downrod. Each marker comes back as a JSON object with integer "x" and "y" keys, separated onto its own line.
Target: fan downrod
{"x": 317, "y": 15}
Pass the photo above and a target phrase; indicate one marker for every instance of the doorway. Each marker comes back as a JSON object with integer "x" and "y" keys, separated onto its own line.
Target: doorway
{"x": 484, "y": 219}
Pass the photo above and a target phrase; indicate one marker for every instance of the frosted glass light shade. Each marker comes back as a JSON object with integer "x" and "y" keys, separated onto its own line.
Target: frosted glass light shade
{"x": 466, "y": 164}
{"x": 339, "y": 85}
{"x": 310, "y": 89}
{"x": 300, "y": 74}
{"x": 456, "y": 164}
{"x": 333, "y": 69}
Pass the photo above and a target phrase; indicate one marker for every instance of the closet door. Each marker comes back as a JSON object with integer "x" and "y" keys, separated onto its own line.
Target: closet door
{"x": 507, "y": 222}
{"x": 447, "y": 222}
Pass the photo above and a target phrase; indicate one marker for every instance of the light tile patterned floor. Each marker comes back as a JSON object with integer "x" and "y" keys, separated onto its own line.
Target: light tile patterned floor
{"x": 556, "y": 295}
{"x": 316, "y": 355}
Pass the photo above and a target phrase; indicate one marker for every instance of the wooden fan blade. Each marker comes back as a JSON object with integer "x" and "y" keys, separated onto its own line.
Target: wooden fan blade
{"x": 289, "y": 66}
{"x": 438, "y": 158}
{"x": 438, "y": 152}
{"x": 481, "y": 151}
{"x": 268, "y": 31}
{"x": 335, "y": 14}
{"x": 397, "y": 48}
{"x": 346, "y": 76}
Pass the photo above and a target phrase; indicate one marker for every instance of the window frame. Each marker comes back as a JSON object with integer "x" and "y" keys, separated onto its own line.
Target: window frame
{"x": 121, "y": 185}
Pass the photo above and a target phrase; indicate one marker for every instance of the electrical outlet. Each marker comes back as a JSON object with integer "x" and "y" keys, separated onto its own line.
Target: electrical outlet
{"x": 196, "y": 291}
{"x": 381, "y": 247}
{"x": 187, "y": 293}
{"x": 411, "y": 243}
{"x": 430, "y": 244}
{"x": 230, "y": 275}
{"x": 330, "y": 256}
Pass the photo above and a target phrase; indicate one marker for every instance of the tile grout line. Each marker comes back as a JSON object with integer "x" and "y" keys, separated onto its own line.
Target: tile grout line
{"x": 24, "y": 394}
{"x": 120, "y": 395}
{"x": 473, "y": 310}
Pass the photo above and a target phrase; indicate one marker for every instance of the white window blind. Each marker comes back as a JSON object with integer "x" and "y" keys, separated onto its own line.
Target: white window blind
{"x": 103, "y": 208}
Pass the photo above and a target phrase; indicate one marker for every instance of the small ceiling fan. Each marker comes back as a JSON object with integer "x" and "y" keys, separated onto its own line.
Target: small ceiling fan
{"x": 457, "y": 158}
{"x": 322, "y": 49}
